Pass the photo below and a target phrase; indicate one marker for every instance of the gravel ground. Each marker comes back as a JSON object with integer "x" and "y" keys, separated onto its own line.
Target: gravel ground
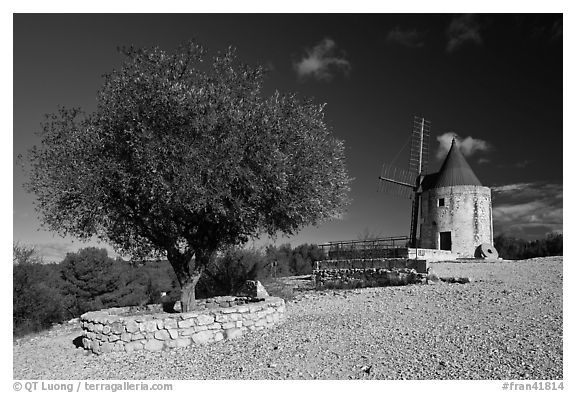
{"x": 507, "y": 324}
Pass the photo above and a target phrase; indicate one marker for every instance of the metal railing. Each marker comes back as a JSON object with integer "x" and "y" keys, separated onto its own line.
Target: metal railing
{"x": 389, "y": 247}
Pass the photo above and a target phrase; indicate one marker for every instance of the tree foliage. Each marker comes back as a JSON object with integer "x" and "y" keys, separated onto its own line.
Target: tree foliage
{"x": 91, "y": 280}
{"x": 512, "y": 248}
{"x": 183, "y": 157}
{"x": 37, "y": 301}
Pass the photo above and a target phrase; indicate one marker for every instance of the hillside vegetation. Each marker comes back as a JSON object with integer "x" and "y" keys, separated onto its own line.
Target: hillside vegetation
{"x": 89, "y": 280}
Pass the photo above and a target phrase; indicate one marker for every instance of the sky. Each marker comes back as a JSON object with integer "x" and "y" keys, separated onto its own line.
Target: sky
{"x": 494, "y": 80}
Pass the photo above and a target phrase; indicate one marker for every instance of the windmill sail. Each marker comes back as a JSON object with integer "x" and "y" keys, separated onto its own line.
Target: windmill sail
{"x": 419, "y": 147}
{"x": 406, "y": 182}
{"x": 397, "y": 181}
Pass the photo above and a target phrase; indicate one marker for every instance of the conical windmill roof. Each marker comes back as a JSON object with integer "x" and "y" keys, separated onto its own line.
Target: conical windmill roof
{"x": 455, "y": 171}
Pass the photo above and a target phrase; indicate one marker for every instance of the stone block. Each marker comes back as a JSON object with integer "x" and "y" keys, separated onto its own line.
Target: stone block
{"x": 160, "y": 324}
{"x": 205, "y": 319}
{"x": 218, "y": 336}
{"x": 419, "y": 265}
{"x": 106, "y": 329}
{"x": 253, "y": 288}
{"x": 187, "y": 332}
{"x": 235, "y": 317}
{"x": 214, "y": 326}
{"x": 182, "y": 342}
{"x": 202, "y": 337}
{"x": 228, "y": 325}
{"x": 188, "y": 315}
{"x": 133, "y": 346}
{"x": 126, "y": 337}
{"x": 86, "y": 343}
{"x": 131, "y": 326}
{"x": 232, "y": 333}
{"x": 137, "y": 336}
{"x": 200, "y": 328}
{"x": 154, "y": 345}
{"x": 106, "y": 347}
{"x": 113, "y": 337}
{"x": 98, "y": 328}
{"x": 162, "y": 335}
{"x": 117, "y": 328}
{"x": 186, "y": 323}
{"x": 170, "y": 323}
{"x": 221, "y": 318}
{"x": 238, "y": 323}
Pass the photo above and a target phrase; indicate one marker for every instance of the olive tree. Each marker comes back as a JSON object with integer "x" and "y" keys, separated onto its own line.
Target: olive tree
{"x": 183, "y": 156}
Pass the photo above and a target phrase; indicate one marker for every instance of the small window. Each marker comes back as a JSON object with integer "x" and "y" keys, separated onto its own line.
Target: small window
{"x": 441, "y": 202}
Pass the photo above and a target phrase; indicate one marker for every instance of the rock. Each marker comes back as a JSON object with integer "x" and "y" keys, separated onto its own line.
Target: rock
{"x": 202, "y": 337}
{"x": 106, "y": 347}
{"x": 232, "y": 333}
{"x": 170, "y": 323}
{"x": 204, "y": 319}
{"x": 131, "y": 326}
{"x": 148, "y": 326}
{"x": 254, "y": 289}
{"x": 126, "y": 337}
{"x": 154, "y": 345}
{"x": 133, "y": 346}
{"x": 432, "y": 277}
{"x": 117, "y": 328}
{"x": 162, "y": 335}
{"x": 182, "y": 342}
{"x": 185, "y": 323}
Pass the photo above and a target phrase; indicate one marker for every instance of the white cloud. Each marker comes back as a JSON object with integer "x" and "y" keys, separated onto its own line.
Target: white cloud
{"x": 462, "y": 29}
{"x": 527, "y": 209}
{"x": 468, "y": 146}
{"x": 411, "y": 38}
{"x": 322, "y": 62}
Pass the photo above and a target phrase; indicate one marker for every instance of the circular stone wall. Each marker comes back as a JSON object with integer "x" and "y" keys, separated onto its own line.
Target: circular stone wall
{"x": 132, "y": 328}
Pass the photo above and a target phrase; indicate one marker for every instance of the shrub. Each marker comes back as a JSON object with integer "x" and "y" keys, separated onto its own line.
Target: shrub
{"x": 37, "y": 301}
{"x": 227, "y": 273}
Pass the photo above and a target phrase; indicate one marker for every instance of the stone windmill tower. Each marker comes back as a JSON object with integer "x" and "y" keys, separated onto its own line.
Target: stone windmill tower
{"x": 456, "y": 209}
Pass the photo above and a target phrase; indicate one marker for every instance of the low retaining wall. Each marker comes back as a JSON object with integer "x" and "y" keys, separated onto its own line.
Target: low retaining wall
{"x": 432, "y": 255}
{"x": 419, "y": 265}
{"x": 370, "y": 277}
{"x": 132, "y": 329}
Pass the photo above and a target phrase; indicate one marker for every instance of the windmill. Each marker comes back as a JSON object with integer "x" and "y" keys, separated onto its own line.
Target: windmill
{"x": 405, "y": 183}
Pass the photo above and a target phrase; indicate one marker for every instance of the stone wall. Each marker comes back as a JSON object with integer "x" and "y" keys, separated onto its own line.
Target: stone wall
{"x": 132, "y": 329}
{"x": 368, "y": 277}
{"x": 467, "y": 214}
{"x": 431, "y": 255}
{"x": 419, "y": 265}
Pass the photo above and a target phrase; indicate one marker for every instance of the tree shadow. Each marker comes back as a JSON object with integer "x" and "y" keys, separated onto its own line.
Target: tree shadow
{"x": 78, "y": 342}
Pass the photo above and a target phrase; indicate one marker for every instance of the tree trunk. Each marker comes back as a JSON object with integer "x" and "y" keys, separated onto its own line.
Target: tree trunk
{"x": 188, "y": 277}
{"x": 188, "y": 297}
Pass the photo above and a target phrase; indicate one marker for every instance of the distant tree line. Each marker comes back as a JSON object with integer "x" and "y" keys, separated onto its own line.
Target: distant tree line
{"x": 48, "y": 293}
{"x": 512, "y": 248}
